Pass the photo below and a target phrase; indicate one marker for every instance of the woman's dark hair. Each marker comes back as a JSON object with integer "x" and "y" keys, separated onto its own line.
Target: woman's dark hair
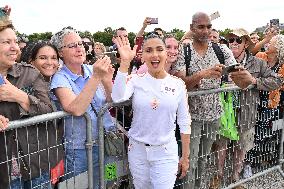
{"x": 38, "y": 46}
{"x": 26, "y": 52}
{"x": 152, "y": 35}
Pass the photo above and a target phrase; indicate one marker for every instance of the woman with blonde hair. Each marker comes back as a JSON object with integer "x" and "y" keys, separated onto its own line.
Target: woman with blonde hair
{"x": 99, "y": 49}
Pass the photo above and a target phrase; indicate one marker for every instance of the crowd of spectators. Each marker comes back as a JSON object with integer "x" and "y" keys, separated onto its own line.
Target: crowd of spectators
{"x": 76, "y": 74}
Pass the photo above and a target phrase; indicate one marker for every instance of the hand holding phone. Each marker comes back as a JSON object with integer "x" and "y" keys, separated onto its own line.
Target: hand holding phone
{"x": 230, "y": 68}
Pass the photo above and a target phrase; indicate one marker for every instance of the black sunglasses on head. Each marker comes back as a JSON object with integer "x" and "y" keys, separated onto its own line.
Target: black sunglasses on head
{"x": 239, "y": 40}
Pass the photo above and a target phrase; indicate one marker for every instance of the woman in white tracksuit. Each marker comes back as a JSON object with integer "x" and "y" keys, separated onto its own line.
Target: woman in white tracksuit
{"x": 159, "y": 99}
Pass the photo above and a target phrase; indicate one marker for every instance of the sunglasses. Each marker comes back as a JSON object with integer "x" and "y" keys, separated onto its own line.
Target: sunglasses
{"x": 73, "y": 45}
{"x": 239, "y": 40}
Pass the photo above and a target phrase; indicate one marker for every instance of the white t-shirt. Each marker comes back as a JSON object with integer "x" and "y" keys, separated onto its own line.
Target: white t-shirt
{"x": 156, "y": 104}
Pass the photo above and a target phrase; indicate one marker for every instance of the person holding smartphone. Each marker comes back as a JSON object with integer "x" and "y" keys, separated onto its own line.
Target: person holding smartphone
{"x": 204, "y": 72}
{"x": 252, "y": 71}
{"x": 157, "y": 100}
{"x": 269, "y": 32}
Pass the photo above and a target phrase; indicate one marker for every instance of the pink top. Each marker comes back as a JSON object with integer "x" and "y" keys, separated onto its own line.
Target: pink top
{"x": 143, "y": 69}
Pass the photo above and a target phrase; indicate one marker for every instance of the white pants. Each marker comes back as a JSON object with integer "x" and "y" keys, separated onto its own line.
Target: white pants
{"x": 153, "y": 167}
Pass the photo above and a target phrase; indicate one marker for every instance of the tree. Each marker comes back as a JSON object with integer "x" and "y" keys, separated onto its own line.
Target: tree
{"x": 225, "y": 32}
{"x": 40, "y": 36}
{"x": 178, "y": 33}
{"x": 103, "y": 37}
{"x": 131, "y": 37}
{"x": 86, "y": 34}
{"x": 109, "y": 30}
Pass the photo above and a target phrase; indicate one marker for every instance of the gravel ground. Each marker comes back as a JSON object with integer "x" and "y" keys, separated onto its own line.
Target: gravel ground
{"x": 271, "y": 180}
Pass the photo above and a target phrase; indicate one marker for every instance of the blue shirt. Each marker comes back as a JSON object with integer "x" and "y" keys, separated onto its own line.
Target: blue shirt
{"x": 75, "y": 127}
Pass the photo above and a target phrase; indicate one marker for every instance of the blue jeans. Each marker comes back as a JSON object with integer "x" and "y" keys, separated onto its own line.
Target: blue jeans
{"x": 43, "y": 182}
{"x": 76, "y": 163}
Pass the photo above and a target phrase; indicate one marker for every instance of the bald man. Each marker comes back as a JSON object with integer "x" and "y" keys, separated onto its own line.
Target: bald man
{"x": 204, "y": 72}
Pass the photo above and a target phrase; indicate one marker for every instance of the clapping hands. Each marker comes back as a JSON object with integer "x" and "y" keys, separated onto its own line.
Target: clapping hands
{"x": 103, "y": 69}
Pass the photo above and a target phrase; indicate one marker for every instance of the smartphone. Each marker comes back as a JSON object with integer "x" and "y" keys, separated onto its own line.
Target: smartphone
{"x": 2, "y": 80}
{"x": 154, "y": 21}
{"x": 2, "y": 12}
{"x": 214, "y": 15}
{"x": 274, "y": 22}
{"x": 230, "y": 68}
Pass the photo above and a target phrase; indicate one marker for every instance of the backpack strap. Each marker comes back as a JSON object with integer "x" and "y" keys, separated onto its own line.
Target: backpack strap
{"x": 187, "y": 57}
{"x": 219, "y": 53}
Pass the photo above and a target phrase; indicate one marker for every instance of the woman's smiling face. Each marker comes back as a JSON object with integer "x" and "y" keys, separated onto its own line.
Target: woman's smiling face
{"x": 154, "y": 54}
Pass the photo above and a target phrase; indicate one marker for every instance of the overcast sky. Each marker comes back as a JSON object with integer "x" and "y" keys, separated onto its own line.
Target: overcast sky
{"x": 34, "y": 16}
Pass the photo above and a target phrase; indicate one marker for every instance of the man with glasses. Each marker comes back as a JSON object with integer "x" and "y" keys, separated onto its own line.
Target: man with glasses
{"x": 204, "y": 72}
{"x": 252, "y": 71}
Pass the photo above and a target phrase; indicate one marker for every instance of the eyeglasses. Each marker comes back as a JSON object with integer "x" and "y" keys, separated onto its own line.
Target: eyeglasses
{"x": 239, "y": 40}
{"x": 73, "y": 45}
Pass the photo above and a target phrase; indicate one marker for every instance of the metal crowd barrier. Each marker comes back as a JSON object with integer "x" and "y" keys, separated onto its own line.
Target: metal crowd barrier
{"x": 115, "y": 172}
{"x": 33, "y": 122}
{"x": 211, "y": 157}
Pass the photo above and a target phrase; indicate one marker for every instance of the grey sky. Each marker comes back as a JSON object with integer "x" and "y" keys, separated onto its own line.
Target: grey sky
{"x": 31, "y": 16}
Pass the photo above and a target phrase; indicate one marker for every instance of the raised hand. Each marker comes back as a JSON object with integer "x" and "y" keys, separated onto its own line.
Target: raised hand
{"x": 7, "y": 9}
{"x": 126, "y": 53}
{"x": 147, "y": 22}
